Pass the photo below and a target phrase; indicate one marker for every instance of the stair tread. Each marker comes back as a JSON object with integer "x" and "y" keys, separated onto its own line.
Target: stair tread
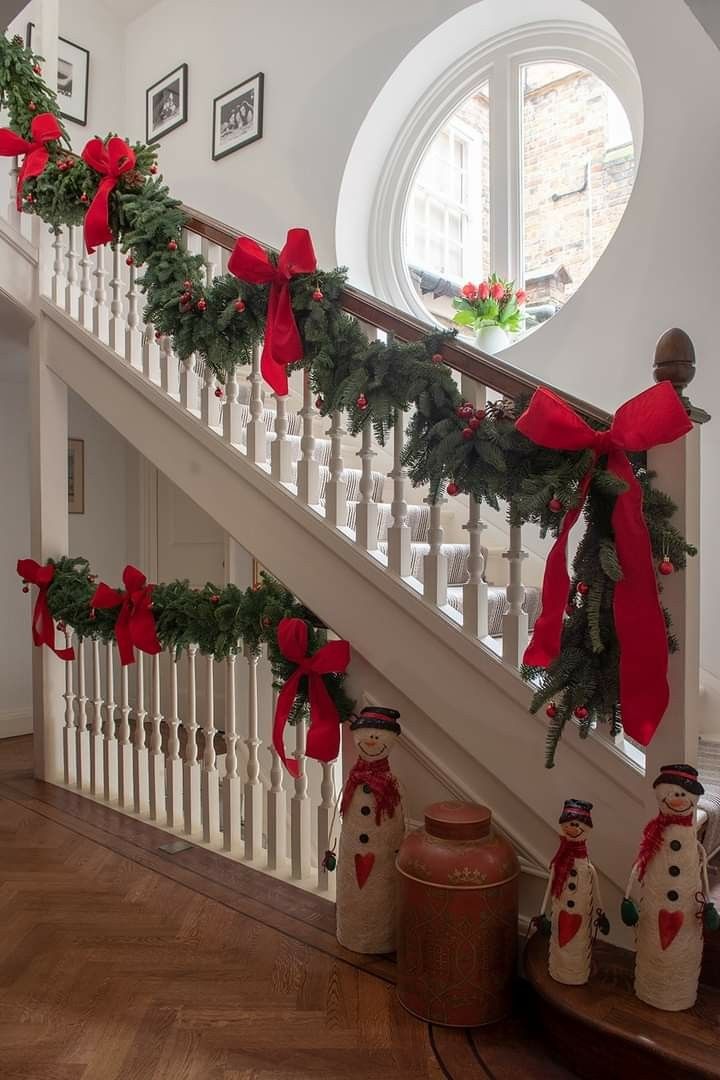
{"x": 607, "y": 1006}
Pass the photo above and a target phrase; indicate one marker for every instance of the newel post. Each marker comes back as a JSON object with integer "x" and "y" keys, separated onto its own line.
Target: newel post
{"x": 677, "y": 468}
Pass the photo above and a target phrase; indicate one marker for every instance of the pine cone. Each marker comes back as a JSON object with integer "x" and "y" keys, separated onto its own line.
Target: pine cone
{"x": 133, "y": 180}
{"x": 501, "y": 410}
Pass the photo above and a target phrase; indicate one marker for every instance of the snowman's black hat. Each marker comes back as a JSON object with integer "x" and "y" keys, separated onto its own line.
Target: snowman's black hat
{"x": 576, "y": 810}
{"x": 376, "y": 717}
{"x": 682, "y": 776}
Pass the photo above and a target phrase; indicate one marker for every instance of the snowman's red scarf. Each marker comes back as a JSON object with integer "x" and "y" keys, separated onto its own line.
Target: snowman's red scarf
{"x": 377, "y": 775}
{"x": 653, "y": 837}
{"x": 562, "y": 861}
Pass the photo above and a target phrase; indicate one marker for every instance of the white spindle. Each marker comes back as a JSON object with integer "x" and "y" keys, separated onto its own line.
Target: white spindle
{"x": 475, "y": 590}
{"x": 253, "y": 800}
{"x": 281, "y": 447}
{"x": 188, "y": 384}
{"x": 191, "y": 767}
{"x": 82, "y": 743}
{"x": 300, "y": 810}
{"x": 276, "y": 811}
{"x": 150, "y": 354}
{"x": 324, "y": 821}
{"x": 232, "y": 428}
{"x": 256, "y": 437}
{"x": 208, "y": 398}
{"x": 100, "y": 310}
{"x": 168, "y": 366}
{"x": 110, "y": 743}
{"x": 133, "y": 334}
{"x": 210, "y": 780}
{"x": 58, "y": 270}
{"x": 366, "y": 519}
{"x": 336, "y": 488}
{"x": 125, "y": 750}
{"x": 72, "y": 291}
{"x": 435, "y": 563}
{"x": 515, "y": 620}
{"x": 96, "y": 736}
{"x": 232, "y": 785}
{"x": 399, "y": 536}
{"x": 116, "y": 332}
{"x": 174, "y": 775}
{"x": 156, "y": 761}
{"x": 14, "y": 216}
{"x": 308, "y": 476}
{"x": 211, "y": 259}
{"x": 69, "y": 751}
{"x": 85, "y": 303}
{"x": 141, "y": 802}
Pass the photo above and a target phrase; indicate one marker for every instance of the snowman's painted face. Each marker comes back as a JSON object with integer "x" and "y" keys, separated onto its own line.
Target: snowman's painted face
{"x": 675, "y": 801}
{"x": 574, "y": 830}
{"x": 374, "y": 743}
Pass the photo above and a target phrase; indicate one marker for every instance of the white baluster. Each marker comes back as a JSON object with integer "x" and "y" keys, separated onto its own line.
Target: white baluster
{"x": 232, "y": 428}
{"x": 96, "y": 736}
{"x": 72, "y": 291}
{"x": 281, "y": 447}
{"x": 366, "y": 514}
{"x": 253, "y": 801}
{"x": 276, "y": 811}
{"x": 133, "y": 333}
{"x": 435, "y": 564}
{"x": 324, "y": 820}
{"x": 116, "y": 333}
{"x": 210, "y": 780}
{"x": 208, "y": 398}
{"x": 58, "y": 270}
{"x": 515, "y": 620}
{"x": 82, "y": 743}
{"x": 69, "y": 751}
{"x": 168, "y": 367}
{"x": 100, "y": 311}
{"x": 125, "y": 750}
{"x": 211, "y": 259}
{"x": 308, "y": 476}
{"x": 256, "y": 437}
{"x": 174, "y": 775}
{"x": 336, "y": 488}
{"x": 156, "y": 761}
{"x": 232, "y": 786}
{"x": 14, "y": 216}
{"x": 475, "y": 590}
{"x": 188, "y": 384}
{"x": 85, "y": 302}
{"x": 110, "y": 743}
{"x": 399, "y": 551}
{"x": 191, "y": 767}
{"x": 141, "y": 802}
{"x": 150, "y": 354}
{"x": 300, "y": 810}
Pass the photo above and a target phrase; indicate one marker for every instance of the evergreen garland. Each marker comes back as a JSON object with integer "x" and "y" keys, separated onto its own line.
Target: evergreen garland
{"x": 479, "y": 452}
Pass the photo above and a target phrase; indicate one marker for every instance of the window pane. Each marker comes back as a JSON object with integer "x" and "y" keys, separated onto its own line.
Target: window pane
{"x": 578, "y": 171}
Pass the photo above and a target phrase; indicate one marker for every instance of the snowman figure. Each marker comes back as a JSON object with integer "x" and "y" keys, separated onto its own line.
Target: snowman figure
{"x": 575, "y": 895}
{"x": 373, "y": 825}
{"x": 671, "y": 869}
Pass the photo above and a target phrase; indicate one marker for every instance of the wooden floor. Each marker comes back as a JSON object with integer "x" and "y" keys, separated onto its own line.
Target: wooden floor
{"x": 119, "y": 962}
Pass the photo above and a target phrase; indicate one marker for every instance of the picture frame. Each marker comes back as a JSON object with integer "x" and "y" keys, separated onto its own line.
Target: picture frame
{"x": 76, "y": 476}
{"x": 72, "y": 81}
{"x": 166, "y": 104}
{"x": 238, "y": 116}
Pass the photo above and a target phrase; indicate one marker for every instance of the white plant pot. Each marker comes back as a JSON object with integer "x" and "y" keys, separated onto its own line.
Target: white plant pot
{"x": 491, "y": 339}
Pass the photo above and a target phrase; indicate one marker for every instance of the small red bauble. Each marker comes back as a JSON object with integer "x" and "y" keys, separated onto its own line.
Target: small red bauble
{"x": 201, "y": 304}
{"x": 361, "y": 402}
{"x": 438, "y": 358}
{"x": 551, "y": 710}
{"x": 581, "y": 712}
{"x": 185, "y": 298}
{"x": 37, "y": 69}
{"x": 480, "y": 414}
{"x": 318, "y": 294}
{"x": 187, "y": 285}
{"x": 26, "y": 588}
{"x": 453, "y": 488}
{"x": 219, "y": 391}
{"x": 130, "y": 261}
{"x": 215, "y": 599}
{"x": 666, "y": 568}
{"x": 319, "y": 402}
{"x": 84, "y": 198}
{"x": 61, "y": 166}
{"x": 465, "y": 411}
{"x": 555, "y": 505}
{"x": 158, "y": 335}
{"x": 583, "y": 588}
{"x": 267, "y": 621}
{"x": 240, "y": 305}
{"x": 474, "y": 423}
{"x": 32, "y": 106}
{"x": 153, "y": 168}
{"x": 468, "y": 434}
{"x": 172, "y": 245}
{"x": 569, "y": 608}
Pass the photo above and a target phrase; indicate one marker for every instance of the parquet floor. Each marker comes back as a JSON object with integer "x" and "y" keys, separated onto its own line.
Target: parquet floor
{"x": 117, "y": 963}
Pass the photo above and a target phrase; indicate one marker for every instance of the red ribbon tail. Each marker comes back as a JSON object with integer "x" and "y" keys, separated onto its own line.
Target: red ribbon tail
{"x": 282, "y": 712}
{"x": 97, "y": 221}
{"x": 123, "y": 635}
{"x": 142, "y": 626}
{"x": 323, "y": 737}
{"x": 43, "y": 628}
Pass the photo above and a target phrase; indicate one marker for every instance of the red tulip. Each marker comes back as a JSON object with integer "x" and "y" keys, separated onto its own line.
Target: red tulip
{"x": 497, "y": 291}
{"x": 469, "y": 291}
{"x": 483, "y": 290}
{"x": 521, "y": 296}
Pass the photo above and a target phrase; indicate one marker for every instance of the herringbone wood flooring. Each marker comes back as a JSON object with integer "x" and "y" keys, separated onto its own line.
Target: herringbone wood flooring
{"x": 119, "y": 964}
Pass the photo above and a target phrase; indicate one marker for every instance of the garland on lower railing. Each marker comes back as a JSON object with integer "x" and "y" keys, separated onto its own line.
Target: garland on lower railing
{"x": 114, "y": 191}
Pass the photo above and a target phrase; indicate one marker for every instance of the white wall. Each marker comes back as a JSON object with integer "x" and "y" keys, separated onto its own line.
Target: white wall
{"x": 101, "y": 32}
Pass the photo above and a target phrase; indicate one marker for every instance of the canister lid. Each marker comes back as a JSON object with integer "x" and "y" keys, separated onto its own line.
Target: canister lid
{"x": 457, "y": 820}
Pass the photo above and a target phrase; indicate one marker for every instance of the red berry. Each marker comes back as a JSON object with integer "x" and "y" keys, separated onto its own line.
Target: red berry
{"x": 215, "y": 599}
{"x": 129, "y": 260}
{"x": 32, "y": 106}
{"x": 468, "y": 434}
{"x": 319, "y": 402}
{"x": 61, "y": 166}
{"x": 555, "y": 505}
{"x": 569, "y": 608}
{"x": 318, "y": 294}
{"x": 438, "y": 358}
{"x": 219, "y": 391}
{"x": 37, "y": 69}
{"x": 172, "y": 245}
{"x": 185, "y": 298}
{"x": 474, "y": 423}
{"x": 26, "y": 588}
{"x": 551, "y": 710}
{"x": 266, "y": 621}
{"x": 84, "y": 198}
{"x": 153, "y": 168}
{"x": 465, "y": 411}
{"x": 201, "y": 304}
{"x": 583, "y": 588}
{"x": 581, "y": 712}
{"x": 187, "y": 286}
{"x": 453, "y": 488}
{"x": 479, "y": 414}
{"x": 666, "y": 568}
{"x": 240, "y": 306}
{"x": 362, "y": 402}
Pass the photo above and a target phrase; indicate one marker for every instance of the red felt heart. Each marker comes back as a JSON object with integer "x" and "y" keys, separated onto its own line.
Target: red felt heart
{"x": 669, "y": 923}
{"x": 568, "y": 926}
{"x": 363, "y": 866}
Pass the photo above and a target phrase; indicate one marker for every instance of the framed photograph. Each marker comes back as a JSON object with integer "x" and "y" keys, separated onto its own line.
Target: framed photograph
{"x": 238, "y": 117}
{"x": 72, "y": 81}
{"x": 166, "y": 104}
{"x": 76, "y": 476}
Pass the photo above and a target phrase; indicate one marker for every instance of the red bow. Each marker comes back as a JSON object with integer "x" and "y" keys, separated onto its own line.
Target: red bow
{"x": 323, "y": 738}
{"x": 111, "y": 162}
{"x": 44, "y": 129}
{"x": 135, "y": 625}
{"x": 43, "y": 624}
{"x": 250, "y": 262}
{"x": 654, "y": 417}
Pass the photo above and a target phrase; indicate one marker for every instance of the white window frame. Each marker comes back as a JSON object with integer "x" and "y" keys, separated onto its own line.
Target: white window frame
{"x": 499, "y": 62}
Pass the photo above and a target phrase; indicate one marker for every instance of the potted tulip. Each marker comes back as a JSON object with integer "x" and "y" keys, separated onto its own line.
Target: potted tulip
{"x": 493, "y": 309}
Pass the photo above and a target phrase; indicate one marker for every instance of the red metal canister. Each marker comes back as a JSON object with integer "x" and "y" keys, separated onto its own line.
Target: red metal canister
{"x": 457, "y": 917}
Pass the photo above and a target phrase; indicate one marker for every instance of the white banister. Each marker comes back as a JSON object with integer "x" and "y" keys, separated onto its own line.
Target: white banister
{"x": 210, "y": 780}
{"x": 100, "y": 311}
{"x": 57, "y": 290}
{"x": 231, "y": 425}
{"x": 191, "y": 766}
{"x": 85, "y": 302}
{"x": 69, "y": 773}
{"x": 211, "y": 259}
{"x": 276, "y": 812}
{"x": 366, "y": 512}
{"x": 515, "y": 620}
{"x": 14, "y": 216}
{"x": 399, "y": 537}
{"x": 336, "y": 488}
{"x": 281, "y": 447}
{"x": 308, "y": 476}
{"x": 300, "y": 810}
{"x": 188, "y": 384}
{"x": 82, "y": 744}
{"x": 232, "y": 786}
{"x": 141, "y": 801}
{"x": 435, "y": 563}
{"x": 169, "y": 376}
{"x": 133, "y": 334}
{"x": 150, "y": 354}
{"x": 208, "y": 397}
{"x": 324, "y": 821}
{"x": 72, "y": 291}
{"x": 96, "y": 735}
{"x": 256, "y": 434}
{"x": 253, "y": 800}
{"x": 125, "y": 759}
{"x": 475, "y": 590}
{"x": 156, "y": 761}
{"x": 174, "y": 766}
{"x": 110, "y": 744}
{"x": 116, "y": 328}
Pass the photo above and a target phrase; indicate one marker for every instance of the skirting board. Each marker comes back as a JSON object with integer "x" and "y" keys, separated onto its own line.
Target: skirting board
{"x": 15, "y": 722}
